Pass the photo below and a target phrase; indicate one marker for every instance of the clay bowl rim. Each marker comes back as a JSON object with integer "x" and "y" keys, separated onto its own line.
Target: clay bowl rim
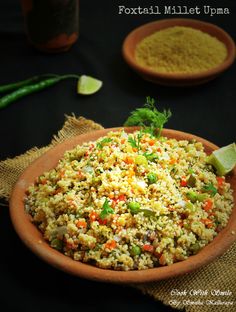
{"x": 144, "y": 30}
{"x": 32, "y": 238}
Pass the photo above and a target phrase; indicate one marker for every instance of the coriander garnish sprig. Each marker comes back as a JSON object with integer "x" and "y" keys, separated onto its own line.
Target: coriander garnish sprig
{"x": 209, "y": 188}
{"x": 135, "y": 142}
{"x": 149, "y": 118}
{"x": 106, "y": 210}
{"x": 103, "y": 142}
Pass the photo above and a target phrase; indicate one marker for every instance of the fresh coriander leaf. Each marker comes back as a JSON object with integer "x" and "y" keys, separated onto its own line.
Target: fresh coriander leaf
{"x": 132, "y": 142}
{"x": 135, "y": 142}
{"x": 102, "y": 142}
{"x": 106, "y": 140}
{"x": 209, "y": 188}
{"x": 149, "y": 118}
{"x": 106, "y": 209}
{"x": 151, "y": 130}
{"x": 139, "y": 136}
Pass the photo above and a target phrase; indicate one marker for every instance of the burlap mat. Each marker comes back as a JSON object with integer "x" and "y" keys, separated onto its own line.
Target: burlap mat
{"x": 211, "y": 288}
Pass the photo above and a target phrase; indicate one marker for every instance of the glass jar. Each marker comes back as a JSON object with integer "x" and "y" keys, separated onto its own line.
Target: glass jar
{"x": 51, "y": 25}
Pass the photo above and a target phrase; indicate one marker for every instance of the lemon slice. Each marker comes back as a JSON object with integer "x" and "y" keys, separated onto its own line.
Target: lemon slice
{"x": 88, "y": 85}
{"x": 223, "y": 159}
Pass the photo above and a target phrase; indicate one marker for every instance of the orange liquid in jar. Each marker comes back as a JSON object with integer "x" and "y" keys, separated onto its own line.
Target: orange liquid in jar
{"x": 51, "y": 25}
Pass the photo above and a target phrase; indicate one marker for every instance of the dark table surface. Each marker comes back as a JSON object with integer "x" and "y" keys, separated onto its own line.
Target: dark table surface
{"x": 28, "y": 284}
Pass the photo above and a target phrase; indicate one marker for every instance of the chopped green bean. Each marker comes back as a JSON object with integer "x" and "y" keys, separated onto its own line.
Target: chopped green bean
{"x": 192, "y": 196}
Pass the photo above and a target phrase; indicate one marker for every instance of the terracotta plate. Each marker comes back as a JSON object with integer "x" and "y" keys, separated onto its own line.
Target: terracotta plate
{"x": 172, "y": 79}
{"x": 33, "y": 239}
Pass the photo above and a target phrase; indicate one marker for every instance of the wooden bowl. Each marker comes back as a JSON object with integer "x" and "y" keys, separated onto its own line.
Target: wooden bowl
{"x": 174, "y": 79}
{"x": 33, "y": 239}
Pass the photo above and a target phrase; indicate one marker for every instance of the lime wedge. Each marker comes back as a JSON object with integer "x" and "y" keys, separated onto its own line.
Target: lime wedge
{"x": 223, "y": 159}
{"x": 88, "y": 85}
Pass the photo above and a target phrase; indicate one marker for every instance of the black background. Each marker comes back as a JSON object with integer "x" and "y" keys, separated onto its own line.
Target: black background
{"x": 209, "y": 110}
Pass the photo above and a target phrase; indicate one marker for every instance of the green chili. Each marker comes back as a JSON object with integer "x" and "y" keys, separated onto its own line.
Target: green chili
{"x": 25, "y": 90}
{"x": 18, "y": 84}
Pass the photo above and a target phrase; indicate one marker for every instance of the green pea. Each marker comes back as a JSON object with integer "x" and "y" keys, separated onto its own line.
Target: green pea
{"x": 135, "y": 250}
{"x": 134, "y": 207}
{"x": 152, "y": 178}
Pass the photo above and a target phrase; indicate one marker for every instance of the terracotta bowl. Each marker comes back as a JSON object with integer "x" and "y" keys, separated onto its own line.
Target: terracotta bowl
{"x": 33, "y": 239}
{"x": 172, "y": 79}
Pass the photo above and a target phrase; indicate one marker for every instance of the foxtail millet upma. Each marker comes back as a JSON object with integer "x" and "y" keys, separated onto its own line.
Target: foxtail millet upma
{"x": 131, "y": 201}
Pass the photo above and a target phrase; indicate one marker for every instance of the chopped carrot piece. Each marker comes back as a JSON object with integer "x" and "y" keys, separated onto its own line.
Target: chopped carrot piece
{"x": 114, "y": 202}
{"x": 102, "y": 222}
{"x": 81, "y": 223}
{"x": 207, "y": 222}
{"x": 129, "y": 160}
{"x": 148, "y": 248}
{"x": 80, "y": 174}
{"x": 122, "y": 197}
{"x": 62, "y": 173}
{"x": 93, "y": 216}
{"x": 220, "y": 181}
{"x": 59, "y": 190}
{"x": 91, "y": 147}
{"x": 111, "y": 196}
{"x": 181, "y": 223}
{"x": 122, "y": 141}
{"x": 71, "y": 202}
{"x": 162, "y": 260}
{"x": 110, "y": 244}
{"x": 183, "y": 181}
{"x": 130, "y": 173}
{"x": 208, "y": 204}
{"x": 212, "y": 214}
{"x": 172, "y": 161}
{"x": 151, "y": 142}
